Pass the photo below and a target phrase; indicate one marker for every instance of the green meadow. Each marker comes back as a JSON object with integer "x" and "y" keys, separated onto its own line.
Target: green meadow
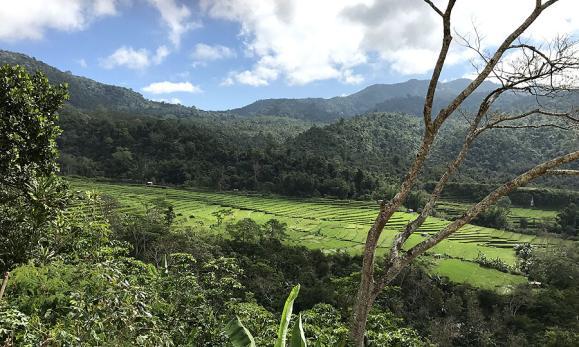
{"x": 330, "y": 225}
{"x": 535, "y": 218}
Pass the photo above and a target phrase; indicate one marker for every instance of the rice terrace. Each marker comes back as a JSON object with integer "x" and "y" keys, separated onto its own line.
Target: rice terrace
{"x": 333, "y": 226}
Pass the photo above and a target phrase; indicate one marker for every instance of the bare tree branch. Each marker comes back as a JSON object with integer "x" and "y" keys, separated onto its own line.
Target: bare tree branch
{"x": 530, "y": 126}
{"x": 562, "y": 172}
{"x": 446, "y": 40}
{"x": 492, "y": 62}
{"x": 495, "y": 122}
{"x": 436, "y": 9}
{"x": 521, "y": 180}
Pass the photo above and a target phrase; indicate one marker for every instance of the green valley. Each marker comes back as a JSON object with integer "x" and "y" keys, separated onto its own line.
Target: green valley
{"x": 330, "y": 225}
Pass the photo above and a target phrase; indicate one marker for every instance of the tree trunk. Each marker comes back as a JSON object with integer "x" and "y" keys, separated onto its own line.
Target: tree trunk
{"x": 364, "y": 303}
{"x": 366, "y": 291}
{"x": 363, "y": 298}
{"x": 367, "y": 294}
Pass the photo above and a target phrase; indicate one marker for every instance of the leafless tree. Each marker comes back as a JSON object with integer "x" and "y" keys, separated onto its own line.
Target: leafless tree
{"x": 539, "y": 70}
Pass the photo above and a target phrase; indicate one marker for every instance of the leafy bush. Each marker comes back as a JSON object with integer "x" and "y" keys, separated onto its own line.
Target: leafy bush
{"x": 496, "y": 263}
{"x": 493, "y": 217}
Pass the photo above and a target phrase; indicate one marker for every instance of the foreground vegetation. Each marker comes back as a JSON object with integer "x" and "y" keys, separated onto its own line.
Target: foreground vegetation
{"x": 176, "y": 267}
{"x": 329, "y": 225}
{"x": 105, "y": 277}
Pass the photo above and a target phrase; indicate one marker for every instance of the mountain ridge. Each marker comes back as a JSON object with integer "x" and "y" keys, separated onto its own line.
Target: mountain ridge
{"x": 90, "y": 96}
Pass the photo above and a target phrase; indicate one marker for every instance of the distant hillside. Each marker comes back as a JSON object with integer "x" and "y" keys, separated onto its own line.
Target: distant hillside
{"x": 407, "y": 97}
{"x": 398, "y": 97}
{"x": 91, "y": 96}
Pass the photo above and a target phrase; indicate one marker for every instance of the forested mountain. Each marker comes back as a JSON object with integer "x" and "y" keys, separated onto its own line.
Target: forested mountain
{"x": 108, "y": 131}
{"x": 406, "y": 97}
{"x": 87, "y": 95}
{"x": 398, "y": 97}
{"x": 348, "y": 159}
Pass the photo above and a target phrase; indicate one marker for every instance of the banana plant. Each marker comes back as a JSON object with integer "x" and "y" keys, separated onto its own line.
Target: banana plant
{"x": 240, "y": 336}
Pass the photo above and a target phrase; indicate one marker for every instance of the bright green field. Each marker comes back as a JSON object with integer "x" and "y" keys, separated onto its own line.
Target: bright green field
{"x": 331, "y": 225}
{"x": 464, "y": 271}
{"x": 533, "y": 216}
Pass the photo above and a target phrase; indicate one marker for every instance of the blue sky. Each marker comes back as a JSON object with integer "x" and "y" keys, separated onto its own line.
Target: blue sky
{"x": 221, "y": 54}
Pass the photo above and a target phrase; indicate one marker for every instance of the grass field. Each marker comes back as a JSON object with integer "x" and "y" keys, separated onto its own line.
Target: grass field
{"x": 331, "y": 225}
{"x": 535, "y": 217}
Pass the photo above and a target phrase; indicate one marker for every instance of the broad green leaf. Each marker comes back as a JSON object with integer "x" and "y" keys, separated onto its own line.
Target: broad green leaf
{"x": 298, "y": 337}
{"x": 238, "y": 334}
{"x": 286, "y": 316}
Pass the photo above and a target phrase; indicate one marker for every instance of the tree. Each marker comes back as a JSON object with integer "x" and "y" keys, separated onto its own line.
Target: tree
{"x": 493, "y": 217}
{"x": 275, "y": 230}
{"x": 538, "y": 70}
{"x": 567, "y": 219}
{"x": 220, "y": 215}
{"x": 245, "y": 230}
{"x": 30, "y": 193}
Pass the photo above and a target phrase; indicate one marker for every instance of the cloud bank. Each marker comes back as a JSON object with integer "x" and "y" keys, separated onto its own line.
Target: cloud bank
{"x": 303, "y": 41}
{"x": 135, "y": 59}
{"x": 167, "y": 87}
{"x": 30, "y": 19}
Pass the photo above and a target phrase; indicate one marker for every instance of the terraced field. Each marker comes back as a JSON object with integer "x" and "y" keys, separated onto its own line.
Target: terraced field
{"x": 535, "y": 217}
{"x": 331, "y": 225}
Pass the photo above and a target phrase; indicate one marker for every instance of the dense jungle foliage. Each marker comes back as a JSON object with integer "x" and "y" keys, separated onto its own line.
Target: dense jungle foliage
{"x": 98, "y": 276}
{"x": 357, "y": 158}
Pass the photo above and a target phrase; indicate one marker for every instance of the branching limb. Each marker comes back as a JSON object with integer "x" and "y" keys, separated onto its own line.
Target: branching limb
{"x": 436, "y": 9}
{"x": 562, "y": 172}
{"x": 531, "y": 126}
{"x": 491, "y": 64}
{"x": 498, "y": 120}
{"x": 397, "y": 262}
{"x": 538, "y": 171}
{"x": 471, "y": 135}
{"x": 446, "y": 40}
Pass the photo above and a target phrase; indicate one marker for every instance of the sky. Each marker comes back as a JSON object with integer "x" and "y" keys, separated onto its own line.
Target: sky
{"x": 223, "y": 54}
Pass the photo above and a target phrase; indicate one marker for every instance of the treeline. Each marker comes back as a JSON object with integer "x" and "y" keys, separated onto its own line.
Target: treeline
{"x": 218, "y": 156}
{"x": 524, "y": 197}
{"x": 358, "y": 158}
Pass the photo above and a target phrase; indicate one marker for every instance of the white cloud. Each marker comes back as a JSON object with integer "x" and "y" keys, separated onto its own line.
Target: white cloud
{"x": 350, "y": 77}
{"x": 105, "y": 7}
{"x": 160, "y": 55}
{"x": 228, "y": 81}
{"x": 260, "y": 76}
{"x": 82, "y": 63}
{"x": 203, "y": 53}
{"x": 176, "y": 17}
{"x": 303, "y": 41}
{"x": 128, "y": 57}
{"x": 167, "y": 87}
{"x": 29, "y": 19}
{"x": 136, "y": 59}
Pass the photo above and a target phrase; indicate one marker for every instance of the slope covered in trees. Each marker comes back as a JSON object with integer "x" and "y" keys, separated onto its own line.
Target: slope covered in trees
{"x": 349, "y": 159}
{"x": 89, "y": 95}
{"x": 115, "y": 132}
